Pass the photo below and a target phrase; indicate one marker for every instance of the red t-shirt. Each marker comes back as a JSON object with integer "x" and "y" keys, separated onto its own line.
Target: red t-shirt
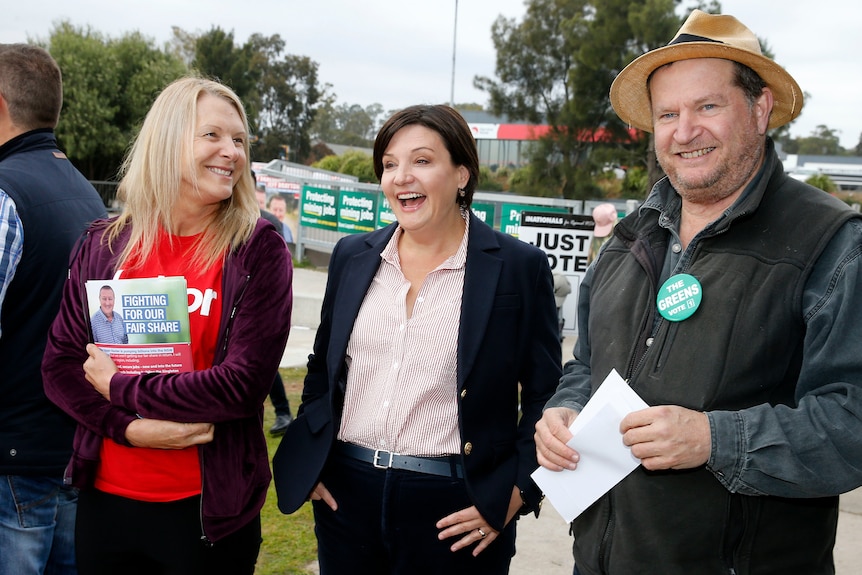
{"x": 168, "y": 474}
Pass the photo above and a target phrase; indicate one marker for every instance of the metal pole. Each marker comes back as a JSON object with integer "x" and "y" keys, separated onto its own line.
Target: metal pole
{"x": 454, "y": 43}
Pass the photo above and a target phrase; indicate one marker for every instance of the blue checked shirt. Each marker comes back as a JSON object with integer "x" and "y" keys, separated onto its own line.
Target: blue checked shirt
{"x": 12, "y": 234}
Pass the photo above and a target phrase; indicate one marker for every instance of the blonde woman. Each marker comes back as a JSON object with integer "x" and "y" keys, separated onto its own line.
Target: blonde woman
{"x": 173, "y": 468}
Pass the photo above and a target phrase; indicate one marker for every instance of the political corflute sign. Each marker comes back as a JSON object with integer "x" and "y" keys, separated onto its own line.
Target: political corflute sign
{"x": 566, "y": 239}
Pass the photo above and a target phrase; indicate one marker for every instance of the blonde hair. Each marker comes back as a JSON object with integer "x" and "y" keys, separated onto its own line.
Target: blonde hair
{"x": 152, "y": 174}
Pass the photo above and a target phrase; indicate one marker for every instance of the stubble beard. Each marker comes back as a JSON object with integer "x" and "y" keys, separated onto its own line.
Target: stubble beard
{"x": 724, "y": 180}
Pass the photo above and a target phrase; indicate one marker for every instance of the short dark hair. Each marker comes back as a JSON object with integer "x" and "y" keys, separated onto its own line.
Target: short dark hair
{"x": 453, "y": 130}
{"x": 31, "y": 84}
{"x": 748, "y": 81}
{"x": 276, "y": 197}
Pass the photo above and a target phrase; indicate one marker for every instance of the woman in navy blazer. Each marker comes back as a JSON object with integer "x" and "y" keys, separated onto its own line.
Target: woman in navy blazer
{"x": 409, "y": 511}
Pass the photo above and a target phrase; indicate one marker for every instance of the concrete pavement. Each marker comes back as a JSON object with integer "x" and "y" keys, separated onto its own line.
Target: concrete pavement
{"x": 544, "y": 546}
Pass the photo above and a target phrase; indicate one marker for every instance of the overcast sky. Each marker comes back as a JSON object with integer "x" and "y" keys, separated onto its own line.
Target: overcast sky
{"x": 399, "y": 52}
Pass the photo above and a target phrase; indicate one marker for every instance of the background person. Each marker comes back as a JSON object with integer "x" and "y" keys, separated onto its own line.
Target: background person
{"x": 45, "y": 205}
{"x": 605, "y": 217}
{"x": 410, "y": 405}
{"x": 756, "y": 399}
{"x": 277, "y": 395}
{"x": 173, "y": 467}
{"x": 108, "y": 325}
{"x": 562, "y": 289}
{"x": 278, "y": 207}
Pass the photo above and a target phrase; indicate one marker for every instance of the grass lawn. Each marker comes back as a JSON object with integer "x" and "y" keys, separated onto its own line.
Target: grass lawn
{"x": 289, "y": 546}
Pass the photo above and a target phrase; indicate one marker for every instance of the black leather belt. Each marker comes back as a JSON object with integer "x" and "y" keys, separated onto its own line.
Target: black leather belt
{"x": 443, "y": 466}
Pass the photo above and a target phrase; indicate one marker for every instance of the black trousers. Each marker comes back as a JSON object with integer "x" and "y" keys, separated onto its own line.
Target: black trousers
{"x": 386, "y": 523}
{"x": 118, "y": 535}
{"x": 278, "y": 397}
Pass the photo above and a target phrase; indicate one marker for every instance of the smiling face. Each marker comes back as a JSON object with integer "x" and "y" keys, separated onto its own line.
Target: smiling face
{"x": 278, "y": 207}
{"x": 420, "y": 181}
{"x": 218, "y": 154}
{"x": 709, "y": 138}
{"x": 106, "y": 302}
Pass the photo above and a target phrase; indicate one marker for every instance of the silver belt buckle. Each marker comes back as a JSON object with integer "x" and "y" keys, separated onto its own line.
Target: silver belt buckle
{"x": 378, "y": 454}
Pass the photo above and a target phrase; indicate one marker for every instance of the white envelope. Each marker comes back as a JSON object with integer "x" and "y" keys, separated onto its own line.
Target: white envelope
{"x": 605, "y": 460}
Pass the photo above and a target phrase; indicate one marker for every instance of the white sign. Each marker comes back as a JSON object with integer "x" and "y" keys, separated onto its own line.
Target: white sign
{"x": 565, "y": 238}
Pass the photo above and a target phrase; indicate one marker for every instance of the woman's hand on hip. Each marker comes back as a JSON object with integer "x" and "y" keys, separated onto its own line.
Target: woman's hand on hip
{"x": 471, "y": 526}
{"x": 322, "y": 493}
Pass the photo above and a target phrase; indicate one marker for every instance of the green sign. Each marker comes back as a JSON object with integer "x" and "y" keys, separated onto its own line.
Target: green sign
{"x": 318, "y": 208}
{"x": 510, "y": 219}
{"x": 385, "y": 215}
{"x": 357, "y": 211}
{"x": 484, "y": 212}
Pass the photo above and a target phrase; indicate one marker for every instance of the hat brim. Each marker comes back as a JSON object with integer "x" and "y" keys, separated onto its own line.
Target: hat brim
{"x": 601, "y": 231}
{"x": 630, "y": 95}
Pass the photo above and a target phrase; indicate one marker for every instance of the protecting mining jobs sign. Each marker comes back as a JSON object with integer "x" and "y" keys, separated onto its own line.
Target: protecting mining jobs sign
{"x": 318, "y": 208}
{"x": 357, "y": 212}
{"x": 565, "y": 238}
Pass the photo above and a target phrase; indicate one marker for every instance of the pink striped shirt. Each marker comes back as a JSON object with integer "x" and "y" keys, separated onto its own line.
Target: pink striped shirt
{"x": 402, "y": 385}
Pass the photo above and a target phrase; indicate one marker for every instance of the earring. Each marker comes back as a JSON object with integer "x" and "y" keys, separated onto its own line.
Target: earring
{"x": 462, "y": 192}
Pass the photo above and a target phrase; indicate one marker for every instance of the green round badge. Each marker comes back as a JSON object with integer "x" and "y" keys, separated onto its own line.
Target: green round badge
{"x": 679, "y": 297}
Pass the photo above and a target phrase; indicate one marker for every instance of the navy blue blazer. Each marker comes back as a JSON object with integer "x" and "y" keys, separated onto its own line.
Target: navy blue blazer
{"x": 508, "y": 343}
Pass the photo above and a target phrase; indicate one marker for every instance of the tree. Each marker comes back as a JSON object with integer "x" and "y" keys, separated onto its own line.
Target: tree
{"x": 108, "y": 87}
{"x": 217, "y": 57}
{"x": 280, "y": 91}
{"x": 144, "y": 71}
{"x": 289, "y": 96}
{"x": 823, "y": 182}
{"x": 348, "y": 124}
{"x": 470, "y": 107}
{"x": 183, "y": 45}
{"x": 822, "y": 142}
{"x": 352, "y": 163}
{"x": 556, "y": 66}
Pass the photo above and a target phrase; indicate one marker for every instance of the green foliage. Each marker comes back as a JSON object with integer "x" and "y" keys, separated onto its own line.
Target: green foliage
{"x": 822, "y": 141}
{"x": 331, "y": 163}
{"x": 823, "y": 182}
{"x": 352, "y": 163}
{"x": 546, "y": 180}
{"x": 289, "y": 95}
{"x": 555, "y": 68}
{"x": 108, "y": 86}
{"x": 359, "y": 164}
{"x": 280, "y": 91}
{"x": 348, "y": 124}
{"x": 488, "y": 182}
{"x": 635, "y": 184}
{"x": 520, "y": 180}
{"x": 217, "y": 57}
{"x": 471, "y": 106}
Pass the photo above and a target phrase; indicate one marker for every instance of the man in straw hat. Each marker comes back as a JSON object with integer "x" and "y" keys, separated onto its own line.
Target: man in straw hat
{"x": 728, "y": 302}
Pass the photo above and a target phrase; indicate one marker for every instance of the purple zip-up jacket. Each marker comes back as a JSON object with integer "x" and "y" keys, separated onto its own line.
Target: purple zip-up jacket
{"x": 253, "y": 329}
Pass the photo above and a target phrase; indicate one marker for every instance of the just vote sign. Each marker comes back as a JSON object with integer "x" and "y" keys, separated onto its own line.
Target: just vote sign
{"x": 565, "y": 239}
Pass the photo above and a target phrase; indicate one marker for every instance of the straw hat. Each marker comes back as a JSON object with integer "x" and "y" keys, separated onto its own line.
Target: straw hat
{"x": 704, "y": 36}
